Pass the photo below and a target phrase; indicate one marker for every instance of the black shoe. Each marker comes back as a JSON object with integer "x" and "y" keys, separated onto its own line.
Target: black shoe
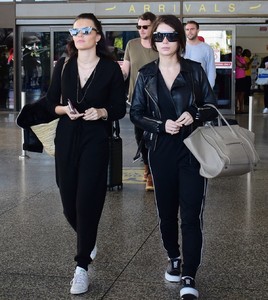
{"x": 188, "y": 290}
{"x": 173, "y": 272}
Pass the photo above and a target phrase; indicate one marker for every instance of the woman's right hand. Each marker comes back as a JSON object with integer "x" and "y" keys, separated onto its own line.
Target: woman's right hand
{"x": 172, "y": 127}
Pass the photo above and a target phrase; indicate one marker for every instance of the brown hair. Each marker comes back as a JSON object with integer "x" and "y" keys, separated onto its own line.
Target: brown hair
{"x": 147, "y": 16}
{"x": 194, "y": 23}
{"x": 176, "y": 24}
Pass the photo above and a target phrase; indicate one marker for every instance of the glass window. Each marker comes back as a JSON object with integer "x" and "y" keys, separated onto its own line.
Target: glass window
{"x": 6, "y": 69}
{"x": 117, "y": 41}
{"x": 35, "y": 71}
{"x": 61, "y": 39}
{"x": 220, "y": 41}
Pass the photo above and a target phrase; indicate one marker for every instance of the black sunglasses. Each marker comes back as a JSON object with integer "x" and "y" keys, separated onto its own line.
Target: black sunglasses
{"x": 171, "y": 36}
{"x": 84, "y": 30}
{"x": 139, "y": 27}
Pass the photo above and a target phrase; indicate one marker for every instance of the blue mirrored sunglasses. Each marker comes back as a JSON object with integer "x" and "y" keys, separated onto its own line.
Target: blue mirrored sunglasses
{"x": 84, "y": 30}
{"x": 171, "y": 36}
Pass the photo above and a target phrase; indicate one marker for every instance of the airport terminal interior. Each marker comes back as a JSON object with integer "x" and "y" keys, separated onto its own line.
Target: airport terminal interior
{"x": 37, "y": 245}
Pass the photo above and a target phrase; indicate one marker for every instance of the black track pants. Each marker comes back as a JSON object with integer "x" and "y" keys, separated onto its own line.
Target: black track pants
{"x": 179, "y": 187}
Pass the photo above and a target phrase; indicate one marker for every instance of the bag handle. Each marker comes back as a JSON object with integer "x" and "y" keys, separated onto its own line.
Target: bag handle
{"x": 221, "y": 117}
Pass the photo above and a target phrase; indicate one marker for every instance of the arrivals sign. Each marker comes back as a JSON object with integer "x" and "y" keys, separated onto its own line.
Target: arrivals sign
{"x": 187, "y": 8}
{"x": 196, "y": 8}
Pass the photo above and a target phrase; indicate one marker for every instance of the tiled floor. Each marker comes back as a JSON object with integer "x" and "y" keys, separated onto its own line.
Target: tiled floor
{"x": 37, "y": 246}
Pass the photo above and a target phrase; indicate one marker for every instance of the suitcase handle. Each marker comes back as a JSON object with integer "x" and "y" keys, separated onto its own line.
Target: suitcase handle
{"x": 116, "y": 129}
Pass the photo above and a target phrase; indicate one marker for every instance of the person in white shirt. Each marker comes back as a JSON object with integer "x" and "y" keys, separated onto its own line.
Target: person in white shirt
{"x": 200, "y": 51}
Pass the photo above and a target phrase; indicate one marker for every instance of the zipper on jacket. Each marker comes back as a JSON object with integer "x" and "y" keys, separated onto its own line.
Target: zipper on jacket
{"x": 155, "y": 103}
{"x": 153, "y": 113}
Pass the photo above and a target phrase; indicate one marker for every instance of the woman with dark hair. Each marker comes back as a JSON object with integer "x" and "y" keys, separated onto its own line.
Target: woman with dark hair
{"x": 168, "y": 104}
{"x": 87, "y": 92}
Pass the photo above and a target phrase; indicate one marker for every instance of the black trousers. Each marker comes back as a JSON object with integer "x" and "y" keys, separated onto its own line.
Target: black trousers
{"x": 179, "y": 188}
{"x": 265, "y": 95}
{"x": 247, "y": 89}
{"x": 81, "y": 171}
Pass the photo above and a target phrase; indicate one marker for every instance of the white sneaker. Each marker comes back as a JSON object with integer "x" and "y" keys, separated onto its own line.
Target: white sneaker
{"x": 265, "y": 111}
{"x": 188, "y": 290}
{"x": 80, "y": 281}
{"x": 93, "y": 252}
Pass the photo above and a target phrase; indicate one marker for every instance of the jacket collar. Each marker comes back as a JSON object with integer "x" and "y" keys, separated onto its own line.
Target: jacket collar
{"x": 151, "y": 69}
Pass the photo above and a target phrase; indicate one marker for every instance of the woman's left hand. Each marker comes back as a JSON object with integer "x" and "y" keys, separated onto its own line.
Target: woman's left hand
{"x": 92, "y": 114}
{"x": 185, "y": 119}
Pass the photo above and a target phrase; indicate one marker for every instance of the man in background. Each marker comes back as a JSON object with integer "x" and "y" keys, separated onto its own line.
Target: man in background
{"x": 138, "y": 53}
{"x": 200, "y": 51}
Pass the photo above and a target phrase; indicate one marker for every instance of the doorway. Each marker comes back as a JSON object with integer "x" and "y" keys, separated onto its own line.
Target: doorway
{"x": 222, "y": 40}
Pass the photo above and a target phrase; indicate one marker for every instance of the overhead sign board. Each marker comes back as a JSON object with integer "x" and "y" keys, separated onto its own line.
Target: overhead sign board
{"x": 134, "y": 9}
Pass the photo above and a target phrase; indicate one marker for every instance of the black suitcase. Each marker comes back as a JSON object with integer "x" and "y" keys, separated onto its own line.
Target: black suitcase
{"x": 115, "y": 166}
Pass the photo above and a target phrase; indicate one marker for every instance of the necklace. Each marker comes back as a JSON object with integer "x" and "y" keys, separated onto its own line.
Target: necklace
{"x": 85, "y": 78}
{"x": 89, "y": 84}
{"x": 85, "y": 68}
{"x": 89, "y": 71}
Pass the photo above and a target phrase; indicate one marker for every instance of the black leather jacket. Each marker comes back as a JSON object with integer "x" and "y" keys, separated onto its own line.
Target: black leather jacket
{"x": 145, "y": 112}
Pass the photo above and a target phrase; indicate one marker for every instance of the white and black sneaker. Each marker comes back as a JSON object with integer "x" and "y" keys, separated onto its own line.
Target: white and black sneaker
{"x": 173, "y": 272}
{"x": 188, "y": 290}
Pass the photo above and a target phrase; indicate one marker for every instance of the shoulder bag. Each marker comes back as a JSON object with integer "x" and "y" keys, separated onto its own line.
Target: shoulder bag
{"x": 46, "y": 132}
{"x": 223, "y": 150}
